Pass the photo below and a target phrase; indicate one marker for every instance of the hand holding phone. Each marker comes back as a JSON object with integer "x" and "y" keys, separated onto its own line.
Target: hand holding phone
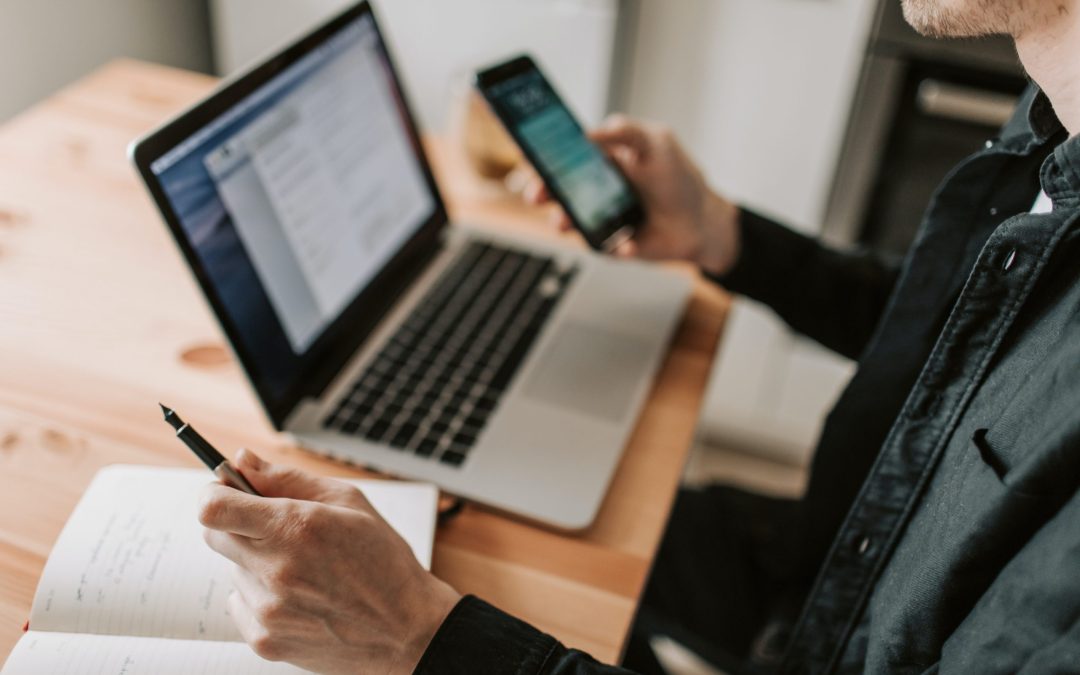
{"x": 598, "y": 198}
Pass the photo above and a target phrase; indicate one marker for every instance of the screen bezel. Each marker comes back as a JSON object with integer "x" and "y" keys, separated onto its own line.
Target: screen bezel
{"x": 613, "y": 228}
{"x": 339, "y": 341}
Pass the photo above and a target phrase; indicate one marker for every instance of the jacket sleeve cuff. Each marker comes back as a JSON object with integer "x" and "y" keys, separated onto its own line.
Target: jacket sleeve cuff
{"x": 762, "y": 242}
{"x": 478, "y": 638}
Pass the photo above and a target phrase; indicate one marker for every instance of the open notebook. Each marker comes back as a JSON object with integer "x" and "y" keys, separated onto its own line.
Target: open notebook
{"x": 131, "y": 587}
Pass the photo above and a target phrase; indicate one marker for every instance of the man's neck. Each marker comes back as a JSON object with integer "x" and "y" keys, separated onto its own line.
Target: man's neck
{"x": 1050, "y": 51}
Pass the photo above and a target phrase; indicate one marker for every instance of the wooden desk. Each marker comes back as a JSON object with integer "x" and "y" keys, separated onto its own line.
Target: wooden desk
{"x": 87, "y": 349}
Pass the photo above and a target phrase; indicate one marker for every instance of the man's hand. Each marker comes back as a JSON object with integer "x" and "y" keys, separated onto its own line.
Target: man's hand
{"x": 321, "y": 580}
{"x": 684, "y": 219}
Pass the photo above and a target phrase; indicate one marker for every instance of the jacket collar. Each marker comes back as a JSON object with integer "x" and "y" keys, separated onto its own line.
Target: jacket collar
{"x": 1032, "y": 125}
{"x": 1035, "y": 125}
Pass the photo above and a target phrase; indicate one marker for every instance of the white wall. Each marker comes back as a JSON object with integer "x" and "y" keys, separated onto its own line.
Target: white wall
{"x": 45, "y": 44}
{"x": 438, "y": 44}
{"x": 758, "y": 89}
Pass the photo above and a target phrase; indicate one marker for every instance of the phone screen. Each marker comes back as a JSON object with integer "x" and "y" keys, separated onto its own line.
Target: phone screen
{"x": 577, "y": 172}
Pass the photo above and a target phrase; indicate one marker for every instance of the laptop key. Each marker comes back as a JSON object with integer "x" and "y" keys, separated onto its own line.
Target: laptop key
{"x": 465, "y": 437}
{"x": 427, "y": 447}
{"x": 453, "y": 458}
{"x": 379, "y": 429}
{"x": 402, "y": 437}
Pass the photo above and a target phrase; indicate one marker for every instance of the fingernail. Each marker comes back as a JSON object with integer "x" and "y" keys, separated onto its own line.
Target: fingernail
{"x": 251, "y": 460}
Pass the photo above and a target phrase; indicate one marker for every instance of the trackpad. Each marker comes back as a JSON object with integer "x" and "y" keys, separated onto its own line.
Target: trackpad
{"x": 589, "y": 370}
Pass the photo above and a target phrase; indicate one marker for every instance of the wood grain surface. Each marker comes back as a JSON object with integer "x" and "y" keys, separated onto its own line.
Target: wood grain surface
{"x": 100, "y": 319}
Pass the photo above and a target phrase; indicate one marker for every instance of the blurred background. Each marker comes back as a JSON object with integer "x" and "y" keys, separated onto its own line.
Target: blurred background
{"x": 831, "y": 115}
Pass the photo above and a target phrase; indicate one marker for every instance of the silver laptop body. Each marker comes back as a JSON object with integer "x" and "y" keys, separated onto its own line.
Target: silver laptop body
{"x": 505, "y": 369}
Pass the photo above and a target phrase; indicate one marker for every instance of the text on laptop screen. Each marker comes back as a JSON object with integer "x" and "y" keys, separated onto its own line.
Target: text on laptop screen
{"x": 297, "y": 196}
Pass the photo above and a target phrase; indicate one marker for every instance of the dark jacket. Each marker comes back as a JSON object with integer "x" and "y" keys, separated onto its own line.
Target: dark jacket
{"x": 941, "y": 528}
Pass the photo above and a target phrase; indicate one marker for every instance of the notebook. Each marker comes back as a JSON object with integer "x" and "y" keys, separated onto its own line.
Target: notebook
{"x": 131, "y": 587}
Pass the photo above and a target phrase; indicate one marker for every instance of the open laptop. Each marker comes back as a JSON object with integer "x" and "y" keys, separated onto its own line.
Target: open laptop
{"x": 505, "y": 370}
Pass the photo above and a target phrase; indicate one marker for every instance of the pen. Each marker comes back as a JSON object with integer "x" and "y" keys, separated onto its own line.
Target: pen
{"x": 207, "y": 453}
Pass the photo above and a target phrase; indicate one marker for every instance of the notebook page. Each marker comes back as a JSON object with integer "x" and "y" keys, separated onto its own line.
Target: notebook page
{"x": 132, "y": 561}
{"x": 74, "y": 654}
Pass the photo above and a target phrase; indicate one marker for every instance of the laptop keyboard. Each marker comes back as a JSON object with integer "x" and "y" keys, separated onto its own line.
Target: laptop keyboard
{"x": 434, "y": 385}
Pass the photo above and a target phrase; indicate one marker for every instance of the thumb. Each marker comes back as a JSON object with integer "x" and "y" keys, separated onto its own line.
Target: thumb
{"x": 277, "y": 480}
{"x": 619, "y": 130}
{"x": 629, "y": 162}
{"x": 627, "y": 249}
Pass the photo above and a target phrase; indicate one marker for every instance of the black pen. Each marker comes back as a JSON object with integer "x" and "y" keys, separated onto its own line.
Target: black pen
{"x": 207, "y": 453}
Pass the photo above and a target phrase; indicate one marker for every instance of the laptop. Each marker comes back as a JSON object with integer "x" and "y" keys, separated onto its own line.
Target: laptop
{"x": 506, "y": 370}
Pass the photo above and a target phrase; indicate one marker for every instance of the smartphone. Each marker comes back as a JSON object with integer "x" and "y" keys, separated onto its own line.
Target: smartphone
{"x": 599, "y": 200}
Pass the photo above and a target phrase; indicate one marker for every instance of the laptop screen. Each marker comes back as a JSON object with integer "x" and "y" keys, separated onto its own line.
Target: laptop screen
{"x": 296, "y": 196}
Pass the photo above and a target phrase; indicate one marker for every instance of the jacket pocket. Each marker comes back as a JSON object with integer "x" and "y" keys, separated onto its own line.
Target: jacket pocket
{"x": 1041, "y": 463}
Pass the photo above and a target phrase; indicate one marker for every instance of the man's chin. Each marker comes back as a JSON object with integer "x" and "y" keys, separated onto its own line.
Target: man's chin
{"x": 927, "y": 28}
{"x": 932, "y": 19}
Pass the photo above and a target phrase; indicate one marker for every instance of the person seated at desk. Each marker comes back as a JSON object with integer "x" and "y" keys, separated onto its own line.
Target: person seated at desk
{"x": 939, "y": 530}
